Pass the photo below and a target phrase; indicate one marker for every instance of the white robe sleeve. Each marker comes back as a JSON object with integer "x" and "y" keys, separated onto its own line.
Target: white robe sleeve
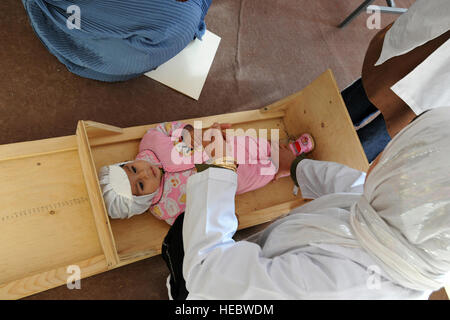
{"x": 217, "y": 267}
{"x": 318, "y": 178}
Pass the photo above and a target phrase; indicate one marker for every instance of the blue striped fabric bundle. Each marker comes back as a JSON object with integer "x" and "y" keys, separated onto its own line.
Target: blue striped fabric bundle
{"x": 118, "y": 39}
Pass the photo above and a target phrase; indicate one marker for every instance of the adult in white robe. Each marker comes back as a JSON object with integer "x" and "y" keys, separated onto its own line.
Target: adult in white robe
{"x": 387, "y": 238}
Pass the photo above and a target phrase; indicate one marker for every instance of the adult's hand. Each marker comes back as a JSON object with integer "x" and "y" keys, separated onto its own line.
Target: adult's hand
{"x": 215, "y": 141}
{"x": 286, "y": 157}
{"x": 198, "y": 138}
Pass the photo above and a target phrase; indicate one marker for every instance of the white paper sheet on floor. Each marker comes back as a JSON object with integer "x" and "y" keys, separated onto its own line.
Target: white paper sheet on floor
{"x": 187, "y": 71}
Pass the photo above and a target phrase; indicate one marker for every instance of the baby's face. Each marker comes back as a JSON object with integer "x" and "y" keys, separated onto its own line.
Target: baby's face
{"x": 144, "y": 178}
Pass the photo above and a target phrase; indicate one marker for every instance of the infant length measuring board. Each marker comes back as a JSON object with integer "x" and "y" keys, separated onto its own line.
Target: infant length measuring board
{"x": 52, "y": 213}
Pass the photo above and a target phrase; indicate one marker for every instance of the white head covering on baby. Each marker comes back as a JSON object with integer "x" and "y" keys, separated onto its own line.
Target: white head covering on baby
{"x": 116, "y": 189}
{"x": 403, "y": 217}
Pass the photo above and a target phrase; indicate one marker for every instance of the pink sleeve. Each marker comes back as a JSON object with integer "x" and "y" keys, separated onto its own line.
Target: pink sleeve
{"x": 168, "y": 128}
{"x": 150, "y": 140}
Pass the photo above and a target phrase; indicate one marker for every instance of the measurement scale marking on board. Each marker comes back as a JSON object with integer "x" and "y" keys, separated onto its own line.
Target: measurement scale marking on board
{"x": 50, "y": 208}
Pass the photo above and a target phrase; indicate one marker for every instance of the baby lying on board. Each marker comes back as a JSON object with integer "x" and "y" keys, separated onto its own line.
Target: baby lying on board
{"x": 156, "y": 180}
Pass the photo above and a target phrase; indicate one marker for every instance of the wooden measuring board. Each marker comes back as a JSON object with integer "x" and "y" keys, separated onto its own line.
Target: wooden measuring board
{"x": 45, "y": 215}
{"x": 49, "y": 208}
{"x": 52, "y": 213}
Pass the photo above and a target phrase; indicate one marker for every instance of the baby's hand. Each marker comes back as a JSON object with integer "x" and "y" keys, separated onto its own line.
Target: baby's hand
{"x": 286, "y": 157}
{"x": 198, "y": 139}
{"x": 216, "y": 144}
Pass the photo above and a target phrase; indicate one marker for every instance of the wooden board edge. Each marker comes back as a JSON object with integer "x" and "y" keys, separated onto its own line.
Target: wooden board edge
{"x": 96, "y": 129}
{"x": 269, "y": 213}
{"x": 280, "y": 105}
{"x": 137, "y": 132}
{"x": 20, "y": 150}
{"x": 50, "y": 279}
{"x": 330, "y": 74}
{"x": 328, "y": 77}
{"x": 128, "y": 259}
{"x": 95, "y": 197}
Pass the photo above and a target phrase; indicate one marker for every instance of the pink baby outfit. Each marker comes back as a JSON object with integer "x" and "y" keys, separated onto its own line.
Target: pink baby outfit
{"x": 163, "y": 146}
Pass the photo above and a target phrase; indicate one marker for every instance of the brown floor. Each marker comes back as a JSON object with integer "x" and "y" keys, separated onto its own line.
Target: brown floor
{"x": 269, "y": 49}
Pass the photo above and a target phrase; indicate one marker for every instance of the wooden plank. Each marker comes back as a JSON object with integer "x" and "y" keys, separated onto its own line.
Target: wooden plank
{"x": 141, "y": 235}
{"x": 271, "y": 195}
{"x": 317, "y": 109}
{"x": 320, "y": 110}
{"x": 136, "y": 133}
{"x": 50, "y": 279}
{"x": 268, "y": 214}
{"x": 97, "y": 129}
{"x": 38, "y": 154}
{"x": 39, "y": 147}
{"x": 96, "y": 198}
{"x": 280, "y": 105}
{"x": 45, "y": 215}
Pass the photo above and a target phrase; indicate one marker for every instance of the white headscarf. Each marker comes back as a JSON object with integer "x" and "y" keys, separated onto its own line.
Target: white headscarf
{"x": 119, "y": 199}
{"x": 403, "y": 217}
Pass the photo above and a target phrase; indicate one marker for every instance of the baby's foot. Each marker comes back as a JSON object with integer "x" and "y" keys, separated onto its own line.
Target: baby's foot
{"x": 304, "y": 144}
